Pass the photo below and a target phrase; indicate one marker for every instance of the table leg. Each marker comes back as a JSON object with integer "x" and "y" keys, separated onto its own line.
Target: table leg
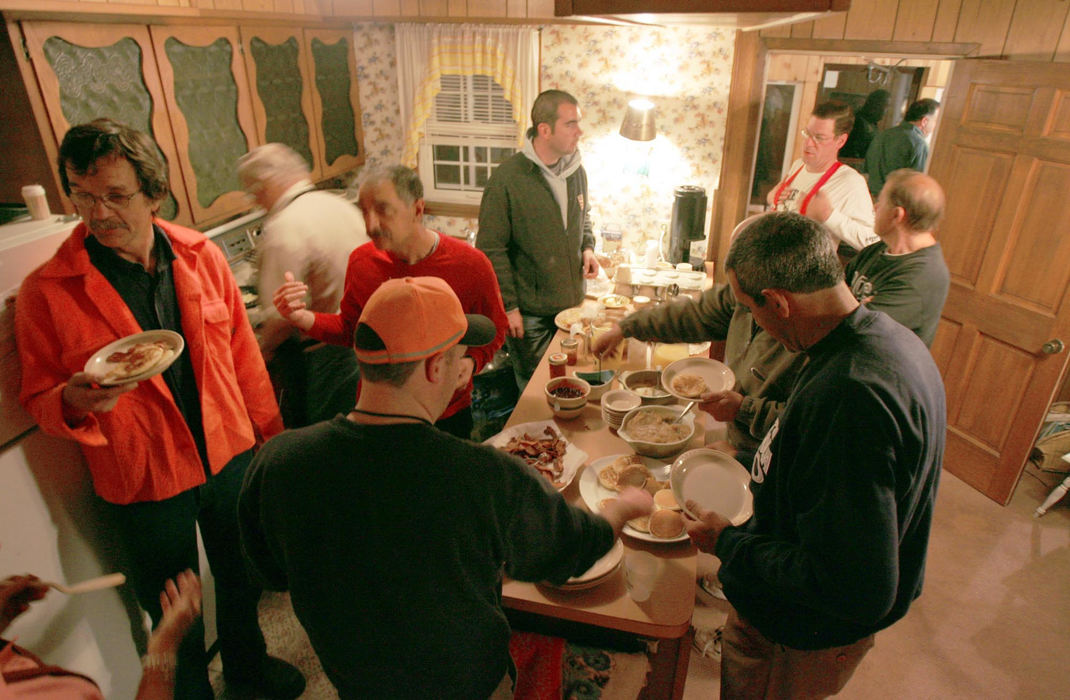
{"x": 668, "y": 669}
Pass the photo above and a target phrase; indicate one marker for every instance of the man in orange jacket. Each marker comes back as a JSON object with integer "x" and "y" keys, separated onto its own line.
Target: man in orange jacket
{"x": 166, "y": 450}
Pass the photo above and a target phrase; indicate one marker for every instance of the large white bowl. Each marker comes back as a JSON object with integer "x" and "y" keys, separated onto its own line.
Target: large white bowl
{"x": 657, "y": 449}
{"x": 643, "y": 383}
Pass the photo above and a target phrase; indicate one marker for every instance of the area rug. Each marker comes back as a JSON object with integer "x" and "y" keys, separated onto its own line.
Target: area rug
{"x": 551, "y": 668}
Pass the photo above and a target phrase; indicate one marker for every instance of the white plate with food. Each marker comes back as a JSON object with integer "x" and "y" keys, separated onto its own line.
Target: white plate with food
{"x": 692, "y": 377}
{"x": 715, "y": 482}
{"x": 614, "y": 301}
{"x": 134, "y": 358}
{"x": 599, "y": 572}
{"x": 551, "y": 454}
{"x": 594, "y": 490}
{"x": 565, "y": 319}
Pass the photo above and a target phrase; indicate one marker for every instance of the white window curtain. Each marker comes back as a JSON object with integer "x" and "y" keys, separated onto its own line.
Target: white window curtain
{"x": 426, "y": 52}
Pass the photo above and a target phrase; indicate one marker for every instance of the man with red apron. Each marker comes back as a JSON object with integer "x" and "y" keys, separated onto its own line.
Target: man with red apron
{"x": 820, "y": 187}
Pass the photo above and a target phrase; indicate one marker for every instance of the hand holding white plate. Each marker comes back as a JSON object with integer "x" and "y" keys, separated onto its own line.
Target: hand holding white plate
{"x": 691, "y": 377}
{"x": 715, "y": 482}
{"x": 135, "y": 358}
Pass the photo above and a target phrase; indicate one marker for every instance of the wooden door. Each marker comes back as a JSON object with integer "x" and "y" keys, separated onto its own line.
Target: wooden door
{"x": 336, "y": 99}
{"x": 86, "y": 71}
{"x": 1003, "y": 157}
{"x": 211, "y": 113}
{"x": 280, "y": 80}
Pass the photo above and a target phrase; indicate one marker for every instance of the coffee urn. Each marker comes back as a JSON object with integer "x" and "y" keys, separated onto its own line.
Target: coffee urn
{"x": 687, "y": 225}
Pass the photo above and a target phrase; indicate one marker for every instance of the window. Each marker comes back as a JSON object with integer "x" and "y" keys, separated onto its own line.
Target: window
{"x": 470, "y": 131}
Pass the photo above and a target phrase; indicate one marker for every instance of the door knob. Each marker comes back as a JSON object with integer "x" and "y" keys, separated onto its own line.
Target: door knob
{"x": 1053, "y": 347}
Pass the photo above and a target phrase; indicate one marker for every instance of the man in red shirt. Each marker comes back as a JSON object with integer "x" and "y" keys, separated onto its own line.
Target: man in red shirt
{"x": 391, "y": 200}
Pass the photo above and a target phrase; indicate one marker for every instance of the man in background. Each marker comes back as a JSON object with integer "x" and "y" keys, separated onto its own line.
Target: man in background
{"x": 311, "y": 233}
{"x": 412, "y": 528}
{"x": 844, "y": 482}
{"x": 392, "y": 203}
{"x": 904, "y": 274}
{"x": 534, "y": 227}
{"x": 822, "y": 188}
{"x": 902, "y": 146}
{"x": 867, "y": 118}
{"x": 167, "y": 454}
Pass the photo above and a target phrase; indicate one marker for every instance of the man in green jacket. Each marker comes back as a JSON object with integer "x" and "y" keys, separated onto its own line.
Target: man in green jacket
{"x": 533, "y": 225}
{"x": 902, "y": 146}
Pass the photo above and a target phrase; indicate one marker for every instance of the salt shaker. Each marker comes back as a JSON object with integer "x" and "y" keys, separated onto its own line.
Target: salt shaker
{"x": 36, "y": 202}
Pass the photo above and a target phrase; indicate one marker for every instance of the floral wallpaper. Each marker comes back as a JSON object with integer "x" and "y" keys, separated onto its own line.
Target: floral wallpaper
{"x": 685, "y": 71}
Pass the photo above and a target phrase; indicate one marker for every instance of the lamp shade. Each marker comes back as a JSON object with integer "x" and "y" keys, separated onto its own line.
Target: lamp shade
{"x": 638, "y": 124}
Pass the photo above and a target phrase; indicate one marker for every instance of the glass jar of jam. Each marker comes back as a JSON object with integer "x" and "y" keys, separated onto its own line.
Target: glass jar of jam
{"x": 571, "y": 348}
{"x": 557, "y": 361}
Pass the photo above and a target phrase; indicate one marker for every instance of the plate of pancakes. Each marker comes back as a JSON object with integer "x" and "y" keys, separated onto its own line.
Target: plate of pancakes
{"x": 602, "y": 480}
{"x": 134, "y": 358}
{"x": 691, "y": 377}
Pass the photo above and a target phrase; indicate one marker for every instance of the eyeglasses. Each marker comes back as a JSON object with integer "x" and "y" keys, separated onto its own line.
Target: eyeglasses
{"x": 816, "y": 138}
{"x": 112, "y": 201}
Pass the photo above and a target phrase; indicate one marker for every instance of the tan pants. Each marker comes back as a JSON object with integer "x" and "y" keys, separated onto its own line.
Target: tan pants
{"x": 754, "y": 667}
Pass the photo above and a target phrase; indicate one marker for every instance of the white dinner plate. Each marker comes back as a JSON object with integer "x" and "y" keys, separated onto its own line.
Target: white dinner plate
{"x": 713, "y": 480}
{"x": 565, "y": 319}
{"x": 717, "y": 375}
{"x": 570, "y": 463}
{"x": 599, "y": 572}
{"x": 592, "y": 492}
{"x": 99, "y": 367}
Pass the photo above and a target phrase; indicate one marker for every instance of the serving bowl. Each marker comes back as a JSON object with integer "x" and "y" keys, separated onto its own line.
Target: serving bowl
{"x": 566, "y": 407}
{"x": 599, "y": 381}
{"x": 646, "y": 384}
{"x": 648, "y": 448}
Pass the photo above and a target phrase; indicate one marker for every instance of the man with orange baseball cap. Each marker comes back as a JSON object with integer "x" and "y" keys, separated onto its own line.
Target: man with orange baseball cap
{"x": 392, "y": 536}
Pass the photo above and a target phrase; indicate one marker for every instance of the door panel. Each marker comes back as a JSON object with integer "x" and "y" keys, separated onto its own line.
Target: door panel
{"x": 1004, "y": 163}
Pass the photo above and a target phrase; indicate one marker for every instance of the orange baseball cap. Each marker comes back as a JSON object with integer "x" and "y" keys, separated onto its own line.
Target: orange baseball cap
{"x": 412, "y": 318}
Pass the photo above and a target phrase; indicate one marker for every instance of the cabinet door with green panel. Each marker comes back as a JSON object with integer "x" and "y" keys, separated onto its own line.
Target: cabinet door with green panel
{"x": 336, "y": 102}
{"x": 210, "y": 109}
{"x": 280, "y": 80}
{"x": 88, "y": 71}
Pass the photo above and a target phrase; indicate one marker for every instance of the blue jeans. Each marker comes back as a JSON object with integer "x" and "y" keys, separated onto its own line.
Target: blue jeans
{"x": 526, "y": 352}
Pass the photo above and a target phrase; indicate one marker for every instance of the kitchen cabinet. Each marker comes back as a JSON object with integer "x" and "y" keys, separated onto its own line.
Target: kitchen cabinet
{"x": 210, "y": 109}
{"x": 278, "y": 64}
{"x": 87, "y": 71}
{"x": 336, "y": 103}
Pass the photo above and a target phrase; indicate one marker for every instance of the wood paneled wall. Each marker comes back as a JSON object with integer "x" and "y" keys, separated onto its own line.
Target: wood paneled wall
{"x": 1028, "y": 30}
{"x": 504, "y": 10}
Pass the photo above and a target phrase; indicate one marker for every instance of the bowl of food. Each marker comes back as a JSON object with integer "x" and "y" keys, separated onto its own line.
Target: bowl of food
{"x": 567, "y": 396}
{"x": 652, "y": 432}
{"x": 646, "y": 384}
{"x": 599, "y": 381}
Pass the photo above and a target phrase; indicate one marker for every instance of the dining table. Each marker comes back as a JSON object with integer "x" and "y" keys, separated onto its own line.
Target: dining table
{"x": 664, "y": 619}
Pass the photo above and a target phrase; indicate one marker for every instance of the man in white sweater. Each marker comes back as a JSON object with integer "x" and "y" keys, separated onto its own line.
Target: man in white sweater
{"x": 820, "y": 187}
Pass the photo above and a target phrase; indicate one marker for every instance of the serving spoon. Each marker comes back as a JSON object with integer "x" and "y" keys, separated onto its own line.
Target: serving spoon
{"x": 93, "y": 584}
{"x": 688, "y": 407}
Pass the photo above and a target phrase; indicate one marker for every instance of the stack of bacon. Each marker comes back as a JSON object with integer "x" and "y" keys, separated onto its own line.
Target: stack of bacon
{"x": 545, "y": 454}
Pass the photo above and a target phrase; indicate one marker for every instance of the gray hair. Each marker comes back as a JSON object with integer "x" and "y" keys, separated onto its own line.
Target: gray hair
{"x": 85, "y": 144}
{"x": 784, "y": 250}
{"x": 405, "y": 180}
{"x": 920, "y": 196}
{"x": 272, "y": 162}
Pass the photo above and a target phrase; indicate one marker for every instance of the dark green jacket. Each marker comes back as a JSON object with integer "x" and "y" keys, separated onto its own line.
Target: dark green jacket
{"x": 538, "y": 260}
{"x": 717, "y": 316}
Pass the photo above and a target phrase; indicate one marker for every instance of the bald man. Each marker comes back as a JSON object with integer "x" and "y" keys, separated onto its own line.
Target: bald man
{"x": 904, "y": 274}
